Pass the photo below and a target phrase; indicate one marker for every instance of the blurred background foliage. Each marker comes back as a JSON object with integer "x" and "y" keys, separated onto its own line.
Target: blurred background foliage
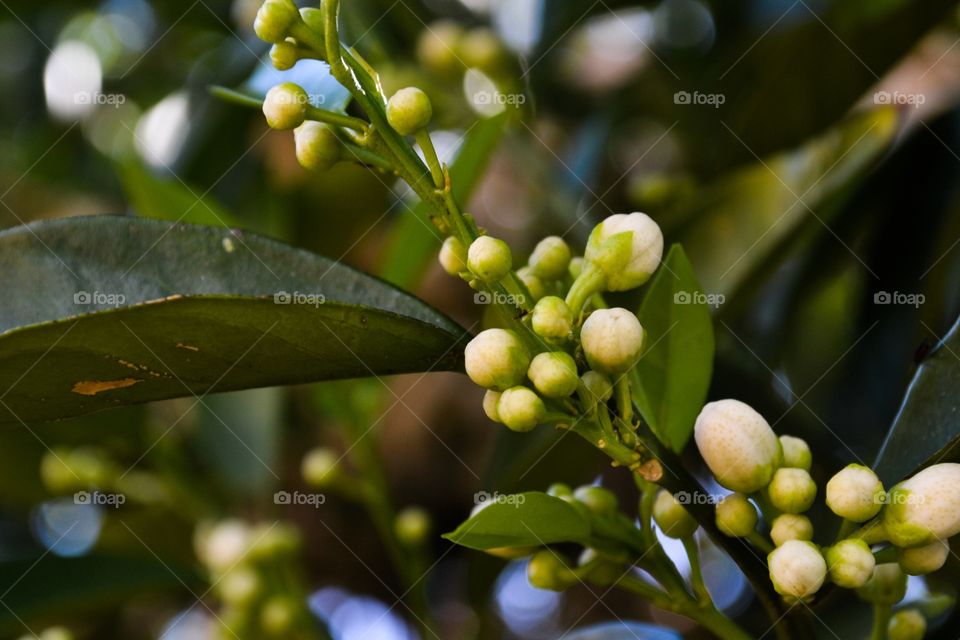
{"x": 805, "y": 153}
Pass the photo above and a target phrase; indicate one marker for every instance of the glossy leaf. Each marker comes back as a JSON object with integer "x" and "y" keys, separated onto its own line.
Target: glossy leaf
{"x": 106, "y": 311}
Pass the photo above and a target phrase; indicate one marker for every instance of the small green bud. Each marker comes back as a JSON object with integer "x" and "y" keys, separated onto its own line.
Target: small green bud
{"x": 924, "y": 508}
{"x": 918, "y": 561}
{"x": 412, "y": 526}
{"x": 496, "y": 359}
{"x": 272, "y": 541}
{"x": 239, "y": 587}
{"x": 576, "y": 267}
{"x": 285, "y": 106}
{"x": 796, "y": 453}
{"x": 736, "y": 516}
{"x": 612, "y": 340}
{"x": 855, "y": 493}
{"x": 907, "y": 624}
{"x": 792, "y": 490}
{"x": 850, "y": 563}
{"x": 534, "y": 285}
{"x": 672, "y": 518}
{"x": 63, "y": 470}
{"x": 626, "y": 248}
{"x": 318, "y": 147}
{"x": 797, "y": 570}
{"x": 558, "y": 489}
{"x": 453, "y": 256}
{"x": 547, "y": 571}
{"x": 489, "y": 258}
{"x": 790, "y": 526}
{"x": 409, "y": 111}
{"x": 597, "y": 499}
{"x": 598, "y": 386}
{"x": 313, "y": 18}
{"x": 274, "y": 20}
{"x": 738, "y": 445}
{"x": 278, "y": 616}
{"x": 551, "y": 318}
{"x": 490, "y": 401}
{"x": 886, "y": 586}
{"x": 437, "y": 47}
{"x": 520, "y": 409}
{"x": 554, "y": 374}
{"x": 320, "y": 467}
{"x": 603, "y": 573}
{"x": 481, "y": 49}
{"x": 550, "y": 258}
{"x": 284, "y": 55}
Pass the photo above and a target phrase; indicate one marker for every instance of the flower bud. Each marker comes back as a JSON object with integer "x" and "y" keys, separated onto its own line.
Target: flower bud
{"x": 850, "y": 563}
{"x": 612, "y": 340}
{"x": 272, "y": 541}
{"x": 907, "y": 624}
{"x": 597, "y": 499}
{"x": 453, "y": 256}
{"x": 318, "y": 147}
{"x": 284, "y": 55}
{"x": 481, "y": 49}
{"x": 551, "y": 318}
{"x": 797, "y": 569}
{"x": 274, "y": 20}
{"x": 409, "y": 111}
{"x": 737, "y": 444}
{"x": 320, "y": 467}
{"x": 534, "y": 285}
{"x": 412, "y": 526}
{"x": 550, "y": 258}
{"x": 520, "y": 409}
{"x": 603, "y": 573}
{"x": 789, "y": 526}
{"x": 239, "y": 587}
{"x": 736, "y": 516}
{"x": 222, "y": 545}
{"x": 796, "y": 453}
{"x": 924, "y": 508}
{"x": 627, "y": 248}
{"x": 496, "y": 359}
{"x": 559, "y": 489}
{"x": 490, "y": 401}
{"x": 855, "y": 493}
{"x": 554, "y": 374}
{"x": 489, "y": 258}
{"x": 886, "y": 586}
{"x": 918, "y": 561}
{"x": 672, "y": 518}
{"x": 278, "y": 616}
{"x": 548, "y": 571}
{"x": 598, "y": 388}
{"x": 285, "y": 106}
{"x": 576, "y": 267}
{"x": 792, "y": 490}
{"x": 437, "y": 47}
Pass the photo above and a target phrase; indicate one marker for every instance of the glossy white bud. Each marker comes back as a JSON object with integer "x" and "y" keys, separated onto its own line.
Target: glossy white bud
{"x": 737, "y": 444}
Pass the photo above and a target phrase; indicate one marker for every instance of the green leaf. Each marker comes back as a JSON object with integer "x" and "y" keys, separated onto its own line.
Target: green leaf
{"x": 926, "y": 430}
{"x": 105, "y": 311}
{"x": 529, "y": 519}
{"x": 673, "y": 376}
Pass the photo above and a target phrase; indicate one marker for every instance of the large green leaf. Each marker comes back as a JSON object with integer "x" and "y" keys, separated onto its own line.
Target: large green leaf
{"x": 673, "y": 375}
{"x": 521, "y": 520}
{"x": 926, "y": 429}
{"x": 181, "y": 310}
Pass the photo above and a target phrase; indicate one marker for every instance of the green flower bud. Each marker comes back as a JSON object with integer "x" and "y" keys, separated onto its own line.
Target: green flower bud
{"x": 320, "y": 467}
{"x": 409, "y": 111}
{"x": 481, "y": 49}
{"x": 274, "y": 20}
{"x": 558, "y": 489}
{"x": 551, "y": 318}
{"x": 792, "y": 490}
{"x": 597, "y": 499}
{"x": 736, "y": 516}
{"x": 285, "y": 106}
{"x": 453, "y": 256}
{"x": 489, "y": 258}
{"x": 318, "y": 147}
{"x": 284, "y": 55}
{"x": 278, "y": 616}
{"x": 850, "y": 563}
{"x": 886, "y": 586}
{"x": 272, "y": 541}
{"x": 576, "y": 267}
{"x": 797, "y": 569}
{"x": 918, "y": 561}
{"x": 222, "y": 545}
{"x": 612, "y": 340}
{"x": 672, "y": 518}
{"x": 547, "y": 571}
{"x": 924, "y": 508}
{"x": 907, "y": 624}
{"x": 496, "y": 359}
{"x": 738, "y": 445}
{"x": 437, "y": 47}
{"x": 603, "y": 573}
{"x": 554, "y": 374}
{"x": 627, "y": 248}
{"x": 64, "y": 470}
{"x": 490, "y": 401}
{"x": 796, "y": 453}
{"x": 855, "y": 493}
{"x": 534, "y": 285}
{"x": 789, "y": 526}
{"x": 598, "y": 388}
{"x": 240, "y": 587}
{"x": 412, "y": 526}
{"x": 520, "y": 409}
{"x": 550, "y": 258}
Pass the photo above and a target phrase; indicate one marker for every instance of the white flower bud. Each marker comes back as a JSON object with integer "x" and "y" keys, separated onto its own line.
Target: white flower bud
{"x": 551, "y": 318}
{"x": 534, "y": 285}
{"x": 554, "y": 374}
{"x": 907, "y": 624}
{"x": 736, "y": 516}
{"x": 490, "y": 401}
{"x": 797, "y": 569}
{"x": 790, "y": 526}
{"x": 672, "y": 518}
{"x": 274, "y": 20}
{"x": 496, "y": 359}
{"x": 453, "y": 256}
{"x": 222, "y": 545}
{"x": 850, "y": 563}
{"x": 886, "y": 586}
{"x": 409, "y": 111}
{"x": 796, "y": 453}
{"x": 612, "y": 340}
{"x": 627, "y": 248}
{"x": 738, "y": 445}
{"x": 285, "y": 106}
{"x": 318, "y": 147}
{"x": 489, "y": 258}
{"x": 320, "y": 467}
{"x": 239, "y": 587}
{"x": 520, "y": 409}
{"x": 792, "y": 490}
{"x": 284, "y": 55}
{"x": 918, "y": 561}
{"x": 576, "y": 266}
{"x": 550, "y": 258}
{"x": 855, "y": 493}
{"x": 924, "y": 508}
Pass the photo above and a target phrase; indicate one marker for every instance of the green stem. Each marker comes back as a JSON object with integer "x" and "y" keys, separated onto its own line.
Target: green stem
{"x": 846, "y": 528}
{"x": 757, "y": 540}
{"x": 236, "y": 97}
{"x": 430, "y": 154}
{"x": 881, "y": 619}
{"x": 696, "y": 574}
{"x": 624, "y": 399}
{"x": 339, "y": 119}
{"x": 589, "y": 282}
{"x": 368, "y": 157}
